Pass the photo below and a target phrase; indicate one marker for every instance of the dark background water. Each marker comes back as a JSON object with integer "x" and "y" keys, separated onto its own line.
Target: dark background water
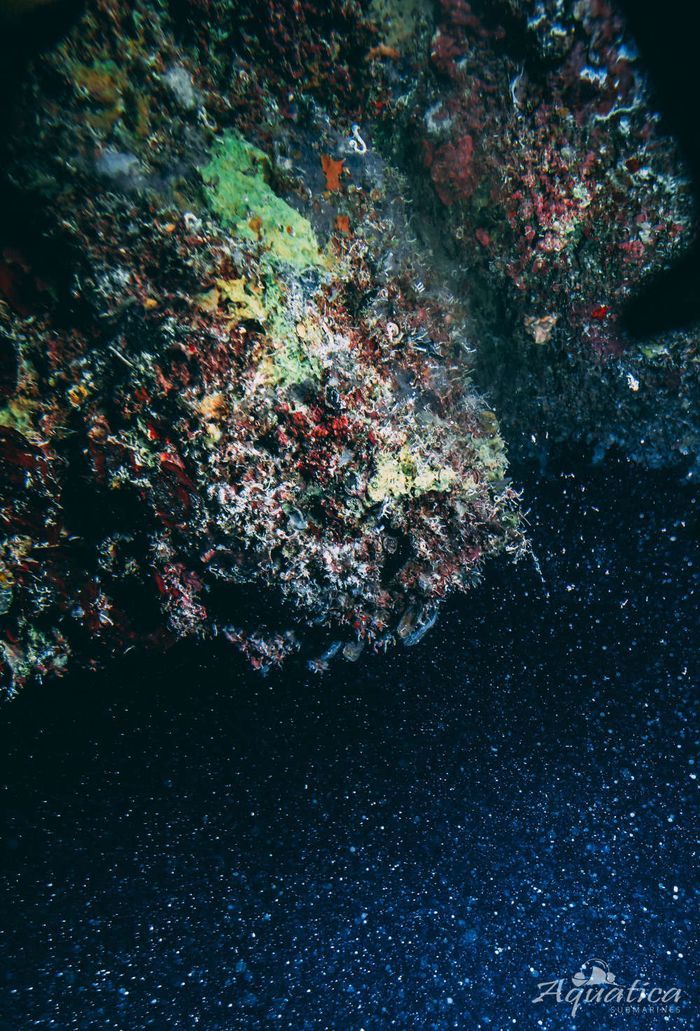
{"x": 415, "y": 841}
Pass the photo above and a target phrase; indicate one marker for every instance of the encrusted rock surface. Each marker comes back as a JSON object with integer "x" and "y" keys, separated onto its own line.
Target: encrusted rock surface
{"x": 253, "y": 257}
{"x": 221, "y": 416}
{"x": 560, "y": 195}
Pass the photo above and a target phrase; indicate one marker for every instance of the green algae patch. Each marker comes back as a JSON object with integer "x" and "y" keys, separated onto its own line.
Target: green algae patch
{"x": 237, "y": 190}
{"x": 237, "y": 296}
{"x": 491, "y": 455}
{"x": 294, "y": 357}
{"x": 292, "y": 363}
{"x": 404, "y": 474}
{"x": 18, "y": 414}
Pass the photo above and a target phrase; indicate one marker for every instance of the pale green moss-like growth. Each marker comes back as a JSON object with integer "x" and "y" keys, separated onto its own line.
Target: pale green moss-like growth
{"x": 491, "y": 455}
{"x": 238, "y": 192}
{"x": 407, "y": 474}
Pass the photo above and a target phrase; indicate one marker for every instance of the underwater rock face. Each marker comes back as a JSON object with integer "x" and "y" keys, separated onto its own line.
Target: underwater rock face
{"x": 253, "y": 257}
{"x": 561, "y": 195}
{"x": 221, "y": 419}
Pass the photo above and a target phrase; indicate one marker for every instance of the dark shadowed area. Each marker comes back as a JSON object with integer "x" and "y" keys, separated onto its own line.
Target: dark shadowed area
{"x": 415, "y": 841}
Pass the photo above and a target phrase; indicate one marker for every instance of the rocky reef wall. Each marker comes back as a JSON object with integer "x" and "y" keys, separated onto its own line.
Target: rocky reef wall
{"x": 560, "y": 194}
{"x": 256, "y": 258}
{"x": 229, "y": 407}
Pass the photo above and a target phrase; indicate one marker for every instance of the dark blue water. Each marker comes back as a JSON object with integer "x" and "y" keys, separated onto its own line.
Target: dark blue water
{"x": 413, "y": 842}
